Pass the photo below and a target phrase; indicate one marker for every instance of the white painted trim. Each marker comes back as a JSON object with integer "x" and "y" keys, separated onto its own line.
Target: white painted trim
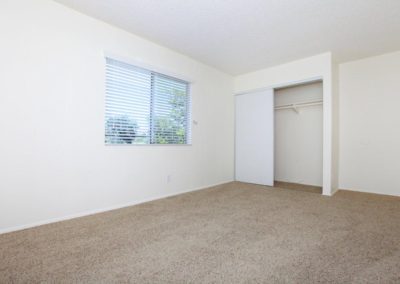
{"x": 327, "y": 149}
{"x": 142, "y": 64}
{"x": 332, "y": 193}
{"x": 95, "y": 211}
{"x": 369, "y": 192}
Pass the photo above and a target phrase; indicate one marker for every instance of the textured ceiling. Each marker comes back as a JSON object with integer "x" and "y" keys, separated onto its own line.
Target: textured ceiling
{"x": 238, "y": 36}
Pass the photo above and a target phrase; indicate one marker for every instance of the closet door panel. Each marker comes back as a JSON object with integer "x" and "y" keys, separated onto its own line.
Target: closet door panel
{"x": 254, "y": 138}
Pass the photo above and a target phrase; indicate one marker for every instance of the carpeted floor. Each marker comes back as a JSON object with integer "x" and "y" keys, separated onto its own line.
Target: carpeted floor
{"x": 233, "y": 233}
{"x": 297, "y": 186}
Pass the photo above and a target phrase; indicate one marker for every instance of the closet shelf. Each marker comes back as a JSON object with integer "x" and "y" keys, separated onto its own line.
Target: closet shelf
{"x": 295, "y": 106}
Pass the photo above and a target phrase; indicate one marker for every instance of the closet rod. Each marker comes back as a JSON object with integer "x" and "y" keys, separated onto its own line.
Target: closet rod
{"x": 300, "y": 104}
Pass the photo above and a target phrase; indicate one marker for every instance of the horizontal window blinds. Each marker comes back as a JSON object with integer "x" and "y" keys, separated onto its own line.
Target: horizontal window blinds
{"x": 145, "y": 107}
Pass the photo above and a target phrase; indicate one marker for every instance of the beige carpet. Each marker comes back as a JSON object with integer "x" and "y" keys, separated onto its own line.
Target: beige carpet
{"x": 297, "y": 186}
{"x": 234, "y": 233}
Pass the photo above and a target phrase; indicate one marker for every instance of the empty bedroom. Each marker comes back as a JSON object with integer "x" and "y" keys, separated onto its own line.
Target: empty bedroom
{"x": 200, "y": 141}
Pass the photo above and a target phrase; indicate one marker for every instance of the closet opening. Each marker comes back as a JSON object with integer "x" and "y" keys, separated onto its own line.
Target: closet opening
{"x": 298, "y": 137}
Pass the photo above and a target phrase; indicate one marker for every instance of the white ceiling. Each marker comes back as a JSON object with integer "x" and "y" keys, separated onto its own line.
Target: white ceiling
{"x": 238, "y": 36}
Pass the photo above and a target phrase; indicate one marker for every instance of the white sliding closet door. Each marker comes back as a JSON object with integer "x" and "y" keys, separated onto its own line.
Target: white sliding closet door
{"x": 254, "y": 145}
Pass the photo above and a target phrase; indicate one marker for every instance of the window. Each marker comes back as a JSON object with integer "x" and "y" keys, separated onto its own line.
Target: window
{"x": 145, "y": 107}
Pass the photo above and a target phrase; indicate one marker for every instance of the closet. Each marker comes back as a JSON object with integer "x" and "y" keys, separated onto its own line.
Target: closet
{"x": 279, "y": 137}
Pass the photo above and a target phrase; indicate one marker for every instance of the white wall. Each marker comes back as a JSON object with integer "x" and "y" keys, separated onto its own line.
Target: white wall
{"x": 316, "y": 67}
{"x": 298, "y": 136}
{"x": 54, "y": 163}
{"x": 370, "y": 124}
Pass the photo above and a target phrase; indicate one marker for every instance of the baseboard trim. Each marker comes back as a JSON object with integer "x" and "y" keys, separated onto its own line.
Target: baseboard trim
{"x": 101, "y": 210}
{"x": 334, "y": 191}
{"x": 369, "y": 192}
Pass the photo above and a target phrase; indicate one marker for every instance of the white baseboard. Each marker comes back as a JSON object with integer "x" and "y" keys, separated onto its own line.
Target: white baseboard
{"x": 371, "y": 192}
{"x": 334, "y": 191}
{"x": 95, "y": 211}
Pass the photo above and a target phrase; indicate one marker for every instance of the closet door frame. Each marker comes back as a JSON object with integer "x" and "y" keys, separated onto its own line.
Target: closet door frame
{"x": 327, "y": 157}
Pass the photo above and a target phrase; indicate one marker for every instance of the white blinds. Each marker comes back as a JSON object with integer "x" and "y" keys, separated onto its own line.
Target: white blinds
{"x": 145, "y": 107}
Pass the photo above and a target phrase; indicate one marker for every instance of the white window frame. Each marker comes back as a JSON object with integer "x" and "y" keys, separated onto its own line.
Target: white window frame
{"x": 162, "y": 72}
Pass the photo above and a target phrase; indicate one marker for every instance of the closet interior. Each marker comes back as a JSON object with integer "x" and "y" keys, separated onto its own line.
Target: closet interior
{"x": 298, "y": 137}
